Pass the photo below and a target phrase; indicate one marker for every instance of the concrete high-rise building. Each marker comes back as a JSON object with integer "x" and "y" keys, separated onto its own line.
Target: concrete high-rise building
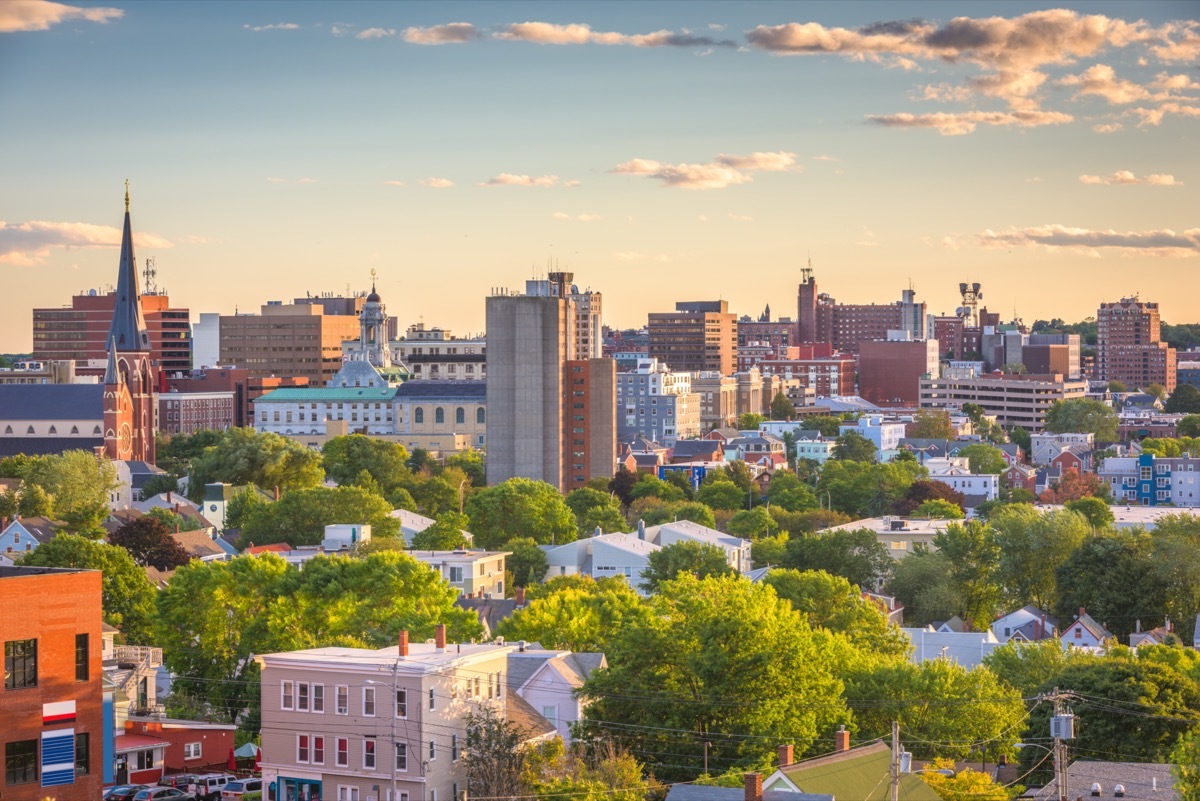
{"x": 587, "y": 323}
{"x": 299, "y": 340}
{"x": 80, "y": 332}
{"x": 698, "y": 336}
{"x": 1130, "y": 349}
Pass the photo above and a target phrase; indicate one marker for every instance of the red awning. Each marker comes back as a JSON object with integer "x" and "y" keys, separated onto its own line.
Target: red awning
{"x": 136, "y": 742}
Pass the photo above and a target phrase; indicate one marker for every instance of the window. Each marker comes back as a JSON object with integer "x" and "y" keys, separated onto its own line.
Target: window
{"x": 432, "y": 699}
{"x": 401, "y": 756}
{"x": 318, "y": 698}
{"x": 302, "y": 696}
{"x": 368, "y": 754}
{"x": 191, "y": 750}
{"x": 302, "y": 754}
{"x": 419, "y": 415}
{"x": 460, "y": 415}
{"x": 145, "y": 759}
{"x": 479, "y": 415}
{"x": 456, "y": 574}
{"x": 81, "y": 657}
{"x": 345, "y": 793}
{"x": 83, "y": 755}
{"x": 20, "y": 762}
{"x": 401, "y": 703}
{"x": 342, "y": 704}
{"x": 439, "y": 415}
{"x": 550, "y": 713}
{"x": 341, "y": 752}
{"x": 318, "y": 750}
{"x": 432, "y": 749}
{"x": 369, "y": 702}
{"x": 20, "y": 664}
{"x": 287, "y": 699}
{"x": 454, "y": 747}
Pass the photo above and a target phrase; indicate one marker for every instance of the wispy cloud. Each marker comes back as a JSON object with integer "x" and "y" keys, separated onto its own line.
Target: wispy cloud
{"x": 562, "y": 215}
{"x": 957, "y": 124}
{"x": 509, "y": 179}
{"x": 30, "y": 243}
{"x": 578, "y": 33}
{"x": 1101, "y": 80}
{"x": 1155, "y": 116}
{"x": 450, "y": 33}
{"x": 725, "y": 170}
{"x": 1127, "y": 177}
{"x": 1107, "y": 127}
{"x": 869, "y": 240}
{"x": 437, "y": 183}
{"x": 375, "y": 33}
{"x": 394, "y": 183}
{"x": 1160, "y": 242}
{"x": 40, "y": 15}
{"x": 278, "y": 26}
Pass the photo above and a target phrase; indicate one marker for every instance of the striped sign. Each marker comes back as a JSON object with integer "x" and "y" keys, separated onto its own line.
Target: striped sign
{"x": 58, "y": 712}
{"x": 58, "y": 757}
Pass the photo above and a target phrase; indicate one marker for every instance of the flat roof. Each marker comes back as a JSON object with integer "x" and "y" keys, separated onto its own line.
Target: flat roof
{"x": 17, "y": 571}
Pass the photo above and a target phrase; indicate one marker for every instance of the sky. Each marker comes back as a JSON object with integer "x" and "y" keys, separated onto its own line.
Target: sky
{"x": 660, "y": 151}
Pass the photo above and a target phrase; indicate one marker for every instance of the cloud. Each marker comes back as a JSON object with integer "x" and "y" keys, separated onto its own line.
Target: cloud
{"x": 572, "y": 184}
{"x": 279, "y": 26}
{"x": 1101, "y": 80}
{"x": 561, "y": 215}
{"x": 826, "y": 158}
{"x": 28, "y": 244}
{"x": 307, "y": 181}
{"x": 375, "y": 33}
{"x": 436, "y": 183}
{"x": 1172, "y": 82}
{"x": 957, "y": 124}
{"x": 1127, "y": 177}
{"x": 1162, "y": 242}
{"x": 394, "y": 183}
{"x": 577, "y": 33}
{"x": 945, "y": 93}
{"x": 1107, "y": 127}
{"x": 870, "y": 241}
{"x": 450, "y": 33}
{"x": 194, "y": 239}
{"x": 740, "y": 217}
{"x": 1184, "y": 48}
{"x": 1154, "y": 116}
{"x": 726, "y": 170}
{"x": 1037, "y": 179}
{"x": 509, "y": 179}
{"x": 341, "y": 28}
{"x": 39, "y": 15}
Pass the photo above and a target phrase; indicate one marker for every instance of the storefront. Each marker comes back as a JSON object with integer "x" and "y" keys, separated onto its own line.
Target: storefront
{"x": 289, "y": 789}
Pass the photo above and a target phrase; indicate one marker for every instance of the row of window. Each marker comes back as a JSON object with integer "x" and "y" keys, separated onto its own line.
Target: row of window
{"x": 21, "y": 662}
{"x": 310, "y": 750}
{"x": 21, "y": 760}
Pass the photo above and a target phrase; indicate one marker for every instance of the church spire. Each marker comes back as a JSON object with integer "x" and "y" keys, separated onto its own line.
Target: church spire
{"x": 128, "y": 331}
{"x": 111, "y": 375}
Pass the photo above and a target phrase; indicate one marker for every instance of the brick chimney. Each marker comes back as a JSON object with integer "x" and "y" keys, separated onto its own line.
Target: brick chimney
{"x": 403, "y": 643}
{"x": 753, "y": 786}
{"x": 520, "y": 597}
{"x": 276, "y": 492}
{"x": 841, "y": 739}
{"x": 439, "y": 637}
{"x": 785, "y": 755}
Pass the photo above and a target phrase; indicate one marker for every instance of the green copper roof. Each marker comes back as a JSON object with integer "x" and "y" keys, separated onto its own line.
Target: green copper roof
{"x": 329, "y": 395}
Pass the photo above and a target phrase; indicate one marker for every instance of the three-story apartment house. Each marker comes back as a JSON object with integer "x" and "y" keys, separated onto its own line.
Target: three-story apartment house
{"x": 357, "y": 724}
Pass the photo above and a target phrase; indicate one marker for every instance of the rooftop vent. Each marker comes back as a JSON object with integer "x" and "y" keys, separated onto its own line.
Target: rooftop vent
{"x": 1096, "y": 790}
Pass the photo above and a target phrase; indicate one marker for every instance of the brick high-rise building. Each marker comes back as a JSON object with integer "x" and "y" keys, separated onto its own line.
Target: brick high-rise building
{"x": 52, "y": 700}
{"x": 300, "y": 340}
{"x": 820, "y": 318}
{"x": 589, "y": 421}
{"x": 890, "y": 371}
{"x": 79, "y": 332}
{"x": 698, "y": 336}
{"x": 1130, "y": 349}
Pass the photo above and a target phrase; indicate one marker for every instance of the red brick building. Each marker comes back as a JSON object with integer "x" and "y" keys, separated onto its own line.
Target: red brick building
{"x": 1130, "y": 347}
{"x": 589, "y": 433}
{"x": 51, "y": 702}
{"x": 191, "y": 746}
{"x": 80, "y": 331}
{"x": 889, "y": 372}
{"x": 189, "y": 412}
{"x": 827, "y": 377}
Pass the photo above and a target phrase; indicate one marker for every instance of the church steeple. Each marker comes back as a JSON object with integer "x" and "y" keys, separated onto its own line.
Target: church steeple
{"x": 128, "y": 331}
{"x": 111, "y": 374}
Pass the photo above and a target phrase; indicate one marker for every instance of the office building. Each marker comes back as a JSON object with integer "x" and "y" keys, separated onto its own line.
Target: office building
{"x": 1015, "y": 400}
{"x": 820, "y": 318}
{"x": 1129, "y": 346}
{"x": 890, "y": 370}
{"x": 79, "y": 332}
{"x": 697, "y": 337}
{"x": 297, "y": 340}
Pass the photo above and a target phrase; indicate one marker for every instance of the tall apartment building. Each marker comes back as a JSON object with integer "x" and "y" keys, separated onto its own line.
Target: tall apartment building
{"x": 816, "y": 367}
{"x": 1130, "y": 347}
{"x": 590, "y": 428}
{"x": 820, "y": 318}
{"x": 698, "y": 336}
{"x": 51, "y": 702}
{"x": 1015, "y": 400}
{"x": 79, "y": 332}
{"x": 587, "y": 325}
{"x": 656, "y": 403}
{"x": 531, "y": 340}
{"x": 297, "y": 340}
{"x": 764, "y": 338}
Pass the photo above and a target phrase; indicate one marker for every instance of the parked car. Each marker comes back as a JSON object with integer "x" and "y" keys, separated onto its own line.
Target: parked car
{"x": 178, "y": 780}
{"x": 124, "y": 792}
{"x": 162, "y": 794}
{"x": 237, "y": 789}
{"x": 209, "y": 786}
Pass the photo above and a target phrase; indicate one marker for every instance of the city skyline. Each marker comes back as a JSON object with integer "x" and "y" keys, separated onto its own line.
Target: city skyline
{"x": 660, "y": 151}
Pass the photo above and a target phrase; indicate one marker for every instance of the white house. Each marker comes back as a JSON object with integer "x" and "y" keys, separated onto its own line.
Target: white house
{"x": 955, "y": 471}
{"x": 1027, "y": 624}
{"x": 885, "y": 435}
{"x": 737, "y": 550}
{"x": 1085, "y": 632}
{"x": 602, "y": 556}
{"x": 548, "y": 681}
{"x": 1044, "y": 447}
{"x": 967, "y": 648}
{"x": 412, "y": 524}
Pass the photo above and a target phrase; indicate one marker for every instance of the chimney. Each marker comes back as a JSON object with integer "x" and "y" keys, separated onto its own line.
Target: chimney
{"x": 276, "y": 492}
{"x": 753, "y": 786}
{"x": 1082, "y": 611}
{"x": 597, "y": 532}
{"x": 169, "y": 499}
{"x": 440, "y": 637}
{"x": 641, "y": 529}
{"x": 841, "y": 739}
{"x": 1137, "y": 626}
{"x": 785, "y": 755}
{"x": 403, "y": 643}
{"x": 520, "y": 597}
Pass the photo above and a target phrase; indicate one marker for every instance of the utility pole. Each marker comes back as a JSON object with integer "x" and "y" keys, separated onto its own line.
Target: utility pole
{"x": 895, "y": 794}
{"x": 1060, "y": 767}
{"x": 706, "y": 745}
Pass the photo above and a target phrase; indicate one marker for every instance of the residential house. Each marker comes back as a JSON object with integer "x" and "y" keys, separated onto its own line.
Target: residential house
{"x": 1085, "y": 632}
{"x": 699, "y": 450}
{"x": 900, "y": 535}
{"x": 884, "y": 434}
{"x": 412, "y": 524}
{"x": 860, "y": 773}
{"x": 967, "y": 648}
{"x": 1072, "y": 458}
{"x": 737, "y": 550}
{"x": 1130, "y": 781}
{"x": 1044, "y": 446}
{"x": 1155, "y": 636}
{"x": 925, "y": 447}
{"x": 955, "y": 472}
{"x": 200, "y": 545}
{"x": 1027, "y": 624}
{"x": 723, "y": 435}
{"x": 549, "y": 680}
{"x": 1021, "y": 476}
{"x": 763, "y": 450}
{"x": 478, "y": 574}
{"x": 192, "y": 746}
{"x": 492, "y": 611}
{"x": 132, "y": 476}
{"x": 1151, "y": 480}
{"x": 25, "y": 534}
{"x": 817, "y": 450}
{"x": 603, "y": 556}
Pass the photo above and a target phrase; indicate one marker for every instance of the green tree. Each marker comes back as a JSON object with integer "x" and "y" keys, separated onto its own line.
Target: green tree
{"x": 1029, "y": 666}
{"x": 1176, "y": 558}
{"x": 963, "y": 785}
{"x": 692, "y": 558}
{"x": 649, "y": 486}
{"x": 300, "y": 517}
{"x": 157, "y": 485}
{"x": 921, "y": 583}
{"x": 827, "y": 424}
{"x": 830, "y": 602}
{"x": 808, "y": 521}
{"x": 686, "y": 510}
{"x": 787, "y": 492}
{"x": 527, "y": 562}
{"x": 1098, "y": 513}
{"x": 1185, "y": 765}
{"x": 35, "y": 502}
{"x": 974, "y": 557}
{"x": 471, "y": 463}
{"x": 682, "y": 480}
{"x": 854, "y": 447}
{"x": 1117, "y": 386}
{"x": 1033, "y": 546}
{"x": 149, "y": 542}
{"x": 1082, "y": 416}
{"x": 984, "y": 458}
{"x": 752, "y": 524}
{"x": 622, "y": 484}
{"x": 722, "y": 494}
{"x": 79, "y": 484}
{"x": 1184, "y": 400}
{"x": 606, "y": 774}
{"x": 173, "y": 521}
{"x": 10, "y": 505}
{"x": 1021, "y": 437}
{"x": 782, "y": 408}
{"x": 494, "y": 758}
{"x": 245, "y": 503}
{"x": 1113, "y": 576}
{"x": 520, "y": 507}
{"x": 932, "y": 424}
{"x": 126, "y": 595}
{"x": 1157, "y": 390}
{"x": 706, "y": 641}
{"x": 437, "y": 494}
{"x": 749, "y": 421}
{"x": 244, "y": 456}
{"x": 1189, "y": 425}
{"x": 576, "y": 612}
{"x": 940, "y": 510}
{"x": 857, "y": 556}
{"x": 865, "y": 490}
{"x": 446, "y": 534}
{"x": 769, "y": 551}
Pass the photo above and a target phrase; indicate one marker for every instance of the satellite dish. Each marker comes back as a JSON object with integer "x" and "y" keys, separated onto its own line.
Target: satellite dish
{"x": 91, "y": 293}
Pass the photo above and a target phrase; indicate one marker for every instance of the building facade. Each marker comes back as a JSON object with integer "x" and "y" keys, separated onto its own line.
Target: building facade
{"x": 657, "y": 404}
{"x": 295, "y": 340}
{"x": 1015, "y": 400}
{"x": 590, "y": 421}
{"x": 890, "y": 371}
{"x": 436, "y": 354}
{"x": 1149, "y": 480}
{"x": 79, "y": 332}
{"x": 820, "y": 318}
{"x": 189, "y": 412}
{"x": 1129, "y": 346}
{"x": 718, "y": 396}
{"x": 698, "y": 336}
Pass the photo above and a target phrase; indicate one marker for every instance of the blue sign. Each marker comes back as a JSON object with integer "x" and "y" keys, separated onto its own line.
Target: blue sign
{"x": 58, "y": 757}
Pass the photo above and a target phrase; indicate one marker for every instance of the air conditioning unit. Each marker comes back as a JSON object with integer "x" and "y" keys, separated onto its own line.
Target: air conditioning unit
{"x": 1062, "y": 727}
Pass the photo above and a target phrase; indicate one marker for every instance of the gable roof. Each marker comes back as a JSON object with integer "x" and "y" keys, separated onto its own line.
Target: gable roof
{"x": 857, "y": 774}
{"x": 41, "y": 529}
{"x": 691, "y": 448}
{"x": 705, "y": 792}
{"x": 52, "y": 401}
{"x": 1089, "y": 624}
{"x": 526, "y": 719}
{"x": 197, "y": 544}
{"x": 491, "y": 611}
{"x": 1142, "y": 781}
{"x": 275, "y": 547}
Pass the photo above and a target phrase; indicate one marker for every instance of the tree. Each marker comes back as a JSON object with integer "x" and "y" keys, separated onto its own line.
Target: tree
{"x": 1021, "y": 437}
{"x": 808, "y": 521}
{"x": 244, "y": 504}
{"x": 446, "y": 534}
{"x": 520, "y": 507}
{"x": 1097, "y": 512}
{"x": 921, "y": 583}
{"x": 1157, "y": 390}
{"x": 693, "y": 558}
{"x": 962, "y": 785}
{"x": 494, "y": 759}
{"x": 79, "y": 484}
{"x": 1032, "y": 547}
{"x": 1117, "y": 386}
{"x": 926, "y": 489}
{"x": 176, "y": 452}
{"x": 749, "y": 421}
{"x": 244, "y": 456}
{"x": 827, "y": 424}
{"x": 126, "y": 595}
{"x": 854, "y": 447}
{"x": 974, "y": 557}
{"x": 470, "y": 462}
{"x": 622, "y": 484}
{"x": 769, "y": 551}
{"x": 1028, "y": 666}
{"x": 932, "y": 424}
{"x": 157, "y": 485}
{"x": 722, "y": 494}
{"x": 938, "y": 509}
{"x": 984, "y": 458}
{"x": 682, "y": 480}
{"x": 1188, "y": 426}
{"x": 1113, "y": 576}
{"x": 830, "y": 602}
{"x": 786, "y": 492}
{"x": 172, "y": 520}
{"x": 607, "y": 773}
{"x": 782, "y": 408}
{"x": 526, "y": 561}
{"x": 35, "y": 502}
{"x": 300, "y": 517}
{"x": 149, "y": 542}
{"x": 649, "y": 486}
{"x": 1082, "y": 416}
{"x": 1185, "y": 765}
{"x": 687, "y": 510}
{"x": 752, "y": 523}
{"x": 1176, "y": 545}
{"x": 865, "y": 490}
{"x": 706, "y": 641}
{"x": 857, "y": 556}
{"x": 575, "y": 612}
{"x": 10, "y": 505}
{"x": 1073, "y": 485}
{"x": 1184, "y": 400}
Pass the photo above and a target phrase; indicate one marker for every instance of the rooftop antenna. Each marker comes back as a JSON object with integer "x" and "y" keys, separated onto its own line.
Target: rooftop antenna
{"x": 806, "y": 272}
{"x": 149, "y": 274}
